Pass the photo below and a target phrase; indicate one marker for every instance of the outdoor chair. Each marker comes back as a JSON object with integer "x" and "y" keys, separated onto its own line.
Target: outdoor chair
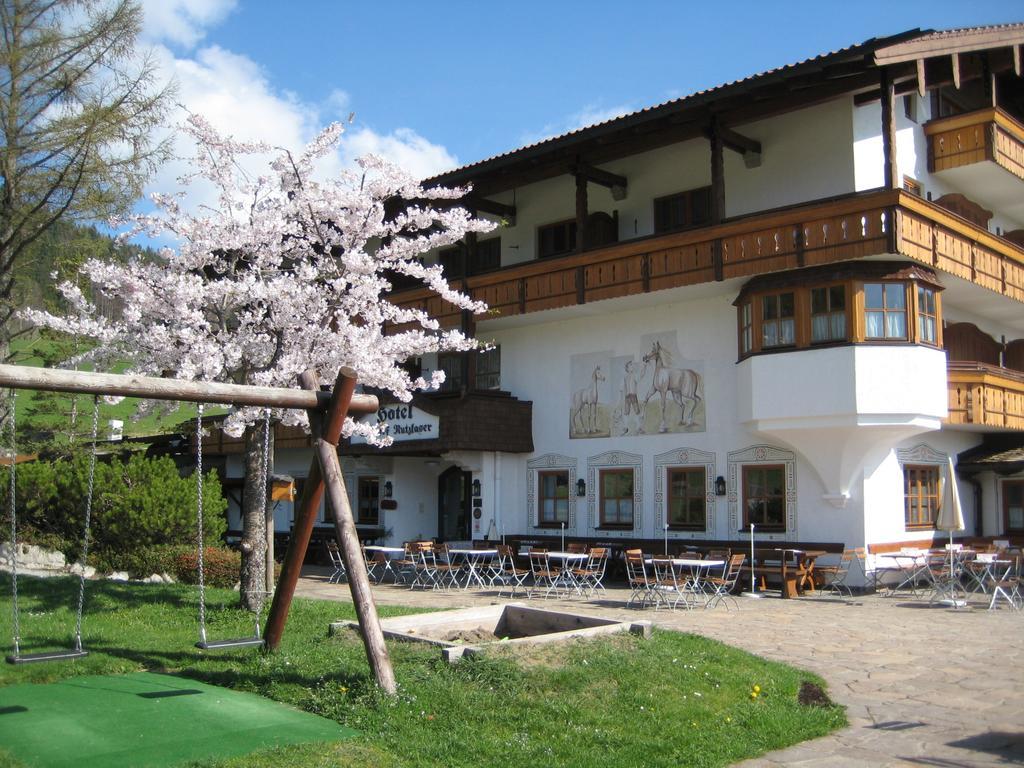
{"x": 576, "y": 547}
{"x": 721, "y": 587}
{"x": 1008, "y": 587}
{"x": 447, "y": 572}
{"x": 640, "y": 581}
{"x": 376, "y": 565}
{"x": 589, "y": 577}
{"x": 507, "y": 573}
{"x": 404, "y": 569}
{"x": 668, "y": 588}
{"x": 718, "y": 554}
{"x": 544, "y": 576}
{"x": 833, "y": 577}
{"x": 337, "y": 563}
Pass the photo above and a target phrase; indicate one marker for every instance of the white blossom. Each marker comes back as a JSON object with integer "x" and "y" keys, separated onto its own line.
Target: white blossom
{"x": 288, "y": 273}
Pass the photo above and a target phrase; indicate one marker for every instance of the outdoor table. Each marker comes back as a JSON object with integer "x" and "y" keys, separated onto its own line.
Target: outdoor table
{"x": 565, "y": 578}
{"x": 695, "y": 566}
{"x": 987, "y": 569}
{"x": 914, "y": 564}
{"x": 473, "y": 558}
{"x": 389, "y": 552}
{"x": 792, "y": 580}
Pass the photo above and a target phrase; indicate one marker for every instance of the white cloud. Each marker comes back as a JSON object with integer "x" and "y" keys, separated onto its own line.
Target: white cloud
{"x": 403, "y": 147}
{"x": 182, "y": 22}
{"x": 591, "y": 114}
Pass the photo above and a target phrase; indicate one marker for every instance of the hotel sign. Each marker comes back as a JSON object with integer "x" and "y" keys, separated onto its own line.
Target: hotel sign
{"x": 404, "y": 422}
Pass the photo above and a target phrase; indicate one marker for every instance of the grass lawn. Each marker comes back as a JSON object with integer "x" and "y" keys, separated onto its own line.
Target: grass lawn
{"x": 621, "y": 701}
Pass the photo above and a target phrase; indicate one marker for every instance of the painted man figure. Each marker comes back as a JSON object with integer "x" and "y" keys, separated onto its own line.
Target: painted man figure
{"x": 632, "y": 402}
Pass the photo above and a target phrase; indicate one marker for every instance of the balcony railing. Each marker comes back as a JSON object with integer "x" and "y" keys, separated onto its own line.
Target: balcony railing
{"x": 988, "y": 135}
{"x": 838, "y": 229}
{"x": 985, "y": 395}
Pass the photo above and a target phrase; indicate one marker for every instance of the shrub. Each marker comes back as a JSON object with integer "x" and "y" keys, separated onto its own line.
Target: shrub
{"x": 145, "y": 561}
{"x": 137, "y": 504}
{"x": 221, "y": 567}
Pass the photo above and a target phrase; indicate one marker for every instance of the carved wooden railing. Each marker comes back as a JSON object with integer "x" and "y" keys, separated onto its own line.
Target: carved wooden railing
{"x": 985, "y": 395}
{"x": 839, "y": 229}
{"x": 976, "y": 137}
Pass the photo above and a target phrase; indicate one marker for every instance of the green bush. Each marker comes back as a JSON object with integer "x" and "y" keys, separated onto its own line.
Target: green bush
{"x": 221, "y": 567}
{"x": 145, "y": 561}
{"x": 137, "y": 504}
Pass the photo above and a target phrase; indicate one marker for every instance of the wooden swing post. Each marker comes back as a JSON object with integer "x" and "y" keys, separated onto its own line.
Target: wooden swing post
{"x": 325, "y": 472}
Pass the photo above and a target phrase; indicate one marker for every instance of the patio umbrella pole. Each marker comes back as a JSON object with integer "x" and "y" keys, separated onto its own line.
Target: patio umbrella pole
{"x": 753, "y": 589}
{"x": 563, "y": 537}
{"x": 666, "y": 539}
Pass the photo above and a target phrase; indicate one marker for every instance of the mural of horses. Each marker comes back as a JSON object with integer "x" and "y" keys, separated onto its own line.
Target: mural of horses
{"x": 584, "y": 405}
{"x": 682, "y": 383}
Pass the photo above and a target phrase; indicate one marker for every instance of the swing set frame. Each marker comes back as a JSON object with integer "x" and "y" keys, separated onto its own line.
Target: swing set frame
{"x": 327, "y": 412}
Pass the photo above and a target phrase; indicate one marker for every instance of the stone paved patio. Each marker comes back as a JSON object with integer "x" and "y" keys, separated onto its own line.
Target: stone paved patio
{"x": 922, "y": 686}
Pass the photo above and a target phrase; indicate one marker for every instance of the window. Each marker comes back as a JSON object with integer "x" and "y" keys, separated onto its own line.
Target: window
{"x": 691, "y": 208}
{"x": 764, "y": 497}
{"x": 488, "y": 369}
{"x": 556, "y": 239}
{"x": 885, "y": 310}
{"x": 687, "y": 498}
{"x": 552, "y": 498}
{"x": 488, "y": 257}
{"x": 1013, "y": 505}
{"x": 828, "y": 314}
{"x": 921, "y": 495}
{"x": 926, "y": 326}
{"x": 777, "y": 324}
{"x": 368, "y": 512}
{"x": 616, "y": 498}
{"x": 454, "y": 367}
{"x": 746, "y": 328}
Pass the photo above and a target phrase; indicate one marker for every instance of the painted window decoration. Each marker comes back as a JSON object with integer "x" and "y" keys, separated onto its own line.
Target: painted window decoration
{"x": 368, "y": 512}
{"x": 687, "y": 498}
{"x": 1013, "y": 505}
{"x": 921, "y": 495}
{"x": 828, "y": 314}
{"x": 616, "y": 498}
{"x": 654, "y": 390}
{"x": 764, "y": 496}
{"x": 885, "y": 310}
{"x": 553, "y": 497}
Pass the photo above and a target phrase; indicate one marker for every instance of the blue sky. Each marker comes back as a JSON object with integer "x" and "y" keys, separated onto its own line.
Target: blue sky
{"x": 437, "y": 84}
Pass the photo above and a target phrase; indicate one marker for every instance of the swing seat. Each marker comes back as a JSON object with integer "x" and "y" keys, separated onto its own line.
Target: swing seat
{"x": 30, "y": 658}
{"x": 218, "y": 645}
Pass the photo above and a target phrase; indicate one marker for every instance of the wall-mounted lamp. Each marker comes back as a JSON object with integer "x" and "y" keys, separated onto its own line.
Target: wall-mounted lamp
{"x": 719, "y": 486}
{"x": 476, "y": 487}
{"x": 387, "y": 489}
{"x": 581, "y": 487}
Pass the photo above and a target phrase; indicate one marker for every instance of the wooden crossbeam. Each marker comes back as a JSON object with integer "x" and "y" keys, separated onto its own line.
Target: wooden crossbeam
{"x": 153, "y": 388}
{"x": 736, "y": 141}
{"x": 599, "y": 175}
{"x": 473, "y": 203}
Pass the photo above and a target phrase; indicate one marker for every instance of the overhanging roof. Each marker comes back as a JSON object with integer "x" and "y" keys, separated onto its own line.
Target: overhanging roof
{"x": 848, "y": 70}
{"x": 998, "y": 453}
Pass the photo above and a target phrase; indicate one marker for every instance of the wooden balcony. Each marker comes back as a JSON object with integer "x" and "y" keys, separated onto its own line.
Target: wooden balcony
{"x": 988, "y": 135}
{"x": 985, "y": 395}
{"x": 822, "y": 232}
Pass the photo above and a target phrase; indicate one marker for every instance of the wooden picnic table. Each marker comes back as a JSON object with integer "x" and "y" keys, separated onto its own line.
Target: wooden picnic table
{"x": 792, "y": 568}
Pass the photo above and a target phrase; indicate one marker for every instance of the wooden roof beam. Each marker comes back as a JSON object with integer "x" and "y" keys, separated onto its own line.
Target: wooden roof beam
{"x": 901, "y": 89}
{"x": 617, "y": 184}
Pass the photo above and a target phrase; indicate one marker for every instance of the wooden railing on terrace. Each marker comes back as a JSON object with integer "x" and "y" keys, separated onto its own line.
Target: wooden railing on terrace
{"x": 985, "y": 135}
{"x": 985, "y": 395}
{"x": 839, "y": 229}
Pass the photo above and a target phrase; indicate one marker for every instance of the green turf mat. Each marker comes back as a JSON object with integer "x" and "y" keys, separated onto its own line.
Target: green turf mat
{"x": 146, "y": 720}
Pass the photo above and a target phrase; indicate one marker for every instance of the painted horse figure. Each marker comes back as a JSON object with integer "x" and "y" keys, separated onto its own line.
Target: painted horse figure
{"x": 681, "y": 382}
{"x": 584, "y": 404}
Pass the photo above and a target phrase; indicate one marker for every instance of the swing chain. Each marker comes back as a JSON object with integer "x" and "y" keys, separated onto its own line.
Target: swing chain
{"x": 264, "y": 480}
{"x": 14, "y": 529}
{"x": 199, "y": 518}
{"x": 88, "y": 523}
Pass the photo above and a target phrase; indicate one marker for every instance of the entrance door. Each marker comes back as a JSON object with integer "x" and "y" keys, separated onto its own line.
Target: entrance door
{"x": 453, "y": 505}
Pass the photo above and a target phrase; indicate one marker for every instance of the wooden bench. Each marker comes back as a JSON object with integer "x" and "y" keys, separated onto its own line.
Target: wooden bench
{"x": 791, "y": 569}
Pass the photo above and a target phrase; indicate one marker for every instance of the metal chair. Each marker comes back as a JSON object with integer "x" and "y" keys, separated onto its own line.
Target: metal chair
{"x": 589, "y": 577}
{"x": 1009, "y": 587}
{"x": 640, "y": 582}
{"x": 544, "y": 576}
{"x": 337, "y": 562}
{"x": 834, "y": 576}
{"x": 722, "y": 586}
{"x": 507, "y": 573}
{"x": 667, "y": 586}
